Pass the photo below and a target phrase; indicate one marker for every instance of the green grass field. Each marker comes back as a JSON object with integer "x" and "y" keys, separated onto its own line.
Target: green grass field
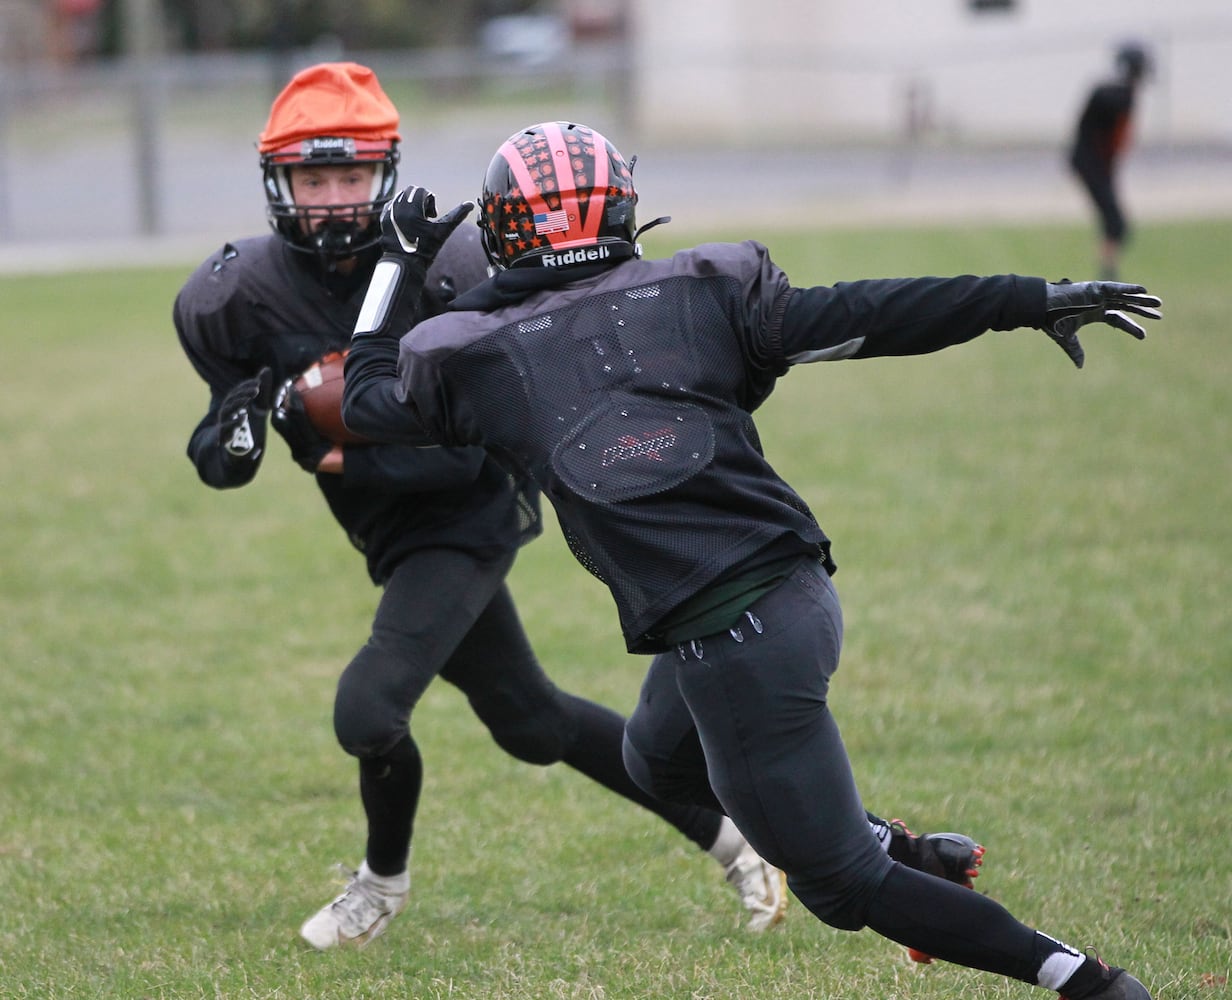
{"x": 1036, "y": 567}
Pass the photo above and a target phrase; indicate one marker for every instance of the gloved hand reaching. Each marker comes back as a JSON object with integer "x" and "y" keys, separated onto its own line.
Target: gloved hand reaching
{"x": 409, "y": 223}
{"x": 1069, "y": 305}
{"x": 411, "y": 236}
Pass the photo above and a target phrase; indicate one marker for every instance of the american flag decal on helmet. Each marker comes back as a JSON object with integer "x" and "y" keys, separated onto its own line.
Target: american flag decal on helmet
{"x": 551, "y": 222}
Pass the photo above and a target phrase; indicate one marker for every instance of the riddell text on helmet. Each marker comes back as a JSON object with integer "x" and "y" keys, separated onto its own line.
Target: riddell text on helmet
{"x": 581, "y": 255}
{"x": 319, "y": 145}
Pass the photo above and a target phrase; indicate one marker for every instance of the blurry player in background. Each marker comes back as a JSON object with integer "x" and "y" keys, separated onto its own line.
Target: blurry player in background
{"x": 439, "y": 527}
{"x": 1100, "y": 142}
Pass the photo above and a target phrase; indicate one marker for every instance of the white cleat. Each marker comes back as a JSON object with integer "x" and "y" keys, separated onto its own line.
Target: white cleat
{"x": 359, "y": 915}
{"x": 762, "y": 889}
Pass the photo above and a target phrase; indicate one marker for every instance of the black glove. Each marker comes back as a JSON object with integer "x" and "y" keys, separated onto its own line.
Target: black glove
{"x": 290, "y": 419}
{"x": 409, "y": 224}
{"x": 411, "y": 236}
{"x": 1069, "y": 305}
{"x": 241, "y": 419}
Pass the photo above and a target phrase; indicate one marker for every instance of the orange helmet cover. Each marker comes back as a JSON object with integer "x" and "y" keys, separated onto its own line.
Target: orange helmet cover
{"x": 341, "y": 99}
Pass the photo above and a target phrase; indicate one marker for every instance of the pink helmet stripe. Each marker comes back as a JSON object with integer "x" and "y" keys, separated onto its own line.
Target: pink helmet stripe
{"x": 563, "y": 166}
{"x": 598, "y": 197}
{"x": 589, "y": 226}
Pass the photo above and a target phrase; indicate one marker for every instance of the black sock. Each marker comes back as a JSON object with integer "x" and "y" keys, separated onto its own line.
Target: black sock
{"x": 389, "y": 786}
{"x": 1091, "y": 979}
{"x": 953, "y": 924}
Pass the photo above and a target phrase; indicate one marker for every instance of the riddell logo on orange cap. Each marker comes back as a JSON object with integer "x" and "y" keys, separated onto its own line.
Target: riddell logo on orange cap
{"x": 330, "y": 99}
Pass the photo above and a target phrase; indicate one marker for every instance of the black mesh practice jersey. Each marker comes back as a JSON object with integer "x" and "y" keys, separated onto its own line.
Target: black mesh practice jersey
{"x": 628, "y": 397}
{"x": 257, "y": 303}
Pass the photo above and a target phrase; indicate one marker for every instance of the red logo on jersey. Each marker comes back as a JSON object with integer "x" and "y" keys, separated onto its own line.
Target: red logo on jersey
{"x": 651, "y": 446}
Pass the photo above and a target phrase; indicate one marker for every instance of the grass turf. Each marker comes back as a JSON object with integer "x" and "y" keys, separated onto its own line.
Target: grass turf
{"x": 1034, "y": 566}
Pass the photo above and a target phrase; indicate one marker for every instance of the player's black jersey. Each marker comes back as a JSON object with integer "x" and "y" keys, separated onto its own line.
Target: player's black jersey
{"x": 257, "y": 303}
{"x": 628, "y": 396}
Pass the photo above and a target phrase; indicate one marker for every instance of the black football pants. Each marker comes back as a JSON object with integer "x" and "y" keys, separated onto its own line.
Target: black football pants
{"x": 742, "y": 717}
{"x": 445, "y": 612}
{"x": 1097, "y": 179}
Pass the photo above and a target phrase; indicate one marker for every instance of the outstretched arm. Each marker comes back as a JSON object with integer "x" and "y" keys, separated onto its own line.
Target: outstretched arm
{"x": 905, "y": 316}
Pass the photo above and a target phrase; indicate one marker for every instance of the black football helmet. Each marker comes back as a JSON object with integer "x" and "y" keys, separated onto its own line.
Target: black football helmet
{"x": 558, "y": 195}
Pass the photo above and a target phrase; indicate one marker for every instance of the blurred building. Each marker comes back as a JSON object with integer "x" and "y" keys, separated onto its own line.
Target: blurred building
{"x": 792, "y": 72}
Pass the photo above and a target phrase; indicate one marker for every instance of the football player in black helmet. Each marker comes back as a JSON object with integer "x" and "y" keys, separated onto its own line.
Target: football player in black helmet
{"x": 625, "y": 389}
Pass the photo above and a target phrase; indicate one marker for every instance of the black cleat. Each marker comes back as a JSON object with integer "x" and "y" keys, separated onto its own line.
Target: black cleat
{"x": 1113, "y": 984}
{"x": 951, "y": 856}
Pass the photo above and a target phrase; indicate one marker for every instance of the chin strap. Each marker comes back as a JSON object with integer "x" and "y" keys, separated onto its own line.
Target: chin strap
{"x": 637, "y": 251}
{"x": 650, "y": 225}
{"x": 637, "y": 247}
{"x": 341, "y": 238}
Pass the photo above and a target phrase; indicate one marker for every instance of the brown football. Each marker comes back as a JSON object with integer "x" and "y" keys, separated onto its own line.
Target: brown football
{"x": 320, "y": 389}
